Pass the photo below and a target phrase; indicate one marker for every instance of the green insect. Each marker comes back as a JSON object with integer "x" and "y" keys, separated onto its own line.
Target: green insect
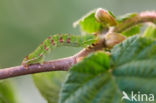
{"x": 56, "y": 41}
{"x": 102, "y": 16}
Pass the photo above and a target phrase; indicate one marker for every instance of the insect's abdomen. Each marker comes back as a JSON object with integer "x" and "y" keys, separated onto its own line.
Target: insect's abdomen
{"x": 56, "y": 41}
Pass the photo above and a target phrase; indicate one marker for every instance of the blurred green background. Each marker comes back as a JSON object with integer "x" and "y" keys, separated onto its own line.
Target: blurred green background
{"x": 25, "y": 23}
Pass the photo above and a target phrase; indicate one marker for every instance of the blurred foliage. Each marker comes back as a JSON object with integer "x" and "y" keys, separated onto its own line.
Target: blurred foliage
{"x": 150, "y": 31}
{"x": 125, "y": 17}
{"x": 132, "y": 31}
{"x": 49, "y": 85}
{"x": 7, "y": 93}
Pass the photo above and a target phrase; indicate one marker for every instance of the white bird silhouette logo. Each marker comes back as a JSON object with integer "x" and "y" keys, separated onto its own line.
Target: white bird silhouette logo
{"x": 125, "y": 96}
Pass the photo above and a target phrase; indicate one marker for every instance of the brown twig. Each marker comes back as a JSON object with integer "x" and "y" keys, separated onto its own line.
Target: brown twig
{"x": 56, "y": 65}
{"x": 143, "y": 17}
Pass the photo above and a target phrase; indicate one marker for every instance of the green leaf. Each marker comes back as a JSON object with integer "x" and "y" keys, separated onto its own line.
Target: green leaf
{"x": 7, "y": 93}
{"x": 89, "y": 23}
{"x": 129, "y": 50}
{"x": 132, "y": 31}
{"x": 49, "y": 85}
{"x": 125, "y": 17}
{"x": 150, "y": 31}
{"x": 111, "y": 13}
{"x": 132, "y": 68}
{"x": 90, "y": 82}
{"x": 134, "y": 65}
